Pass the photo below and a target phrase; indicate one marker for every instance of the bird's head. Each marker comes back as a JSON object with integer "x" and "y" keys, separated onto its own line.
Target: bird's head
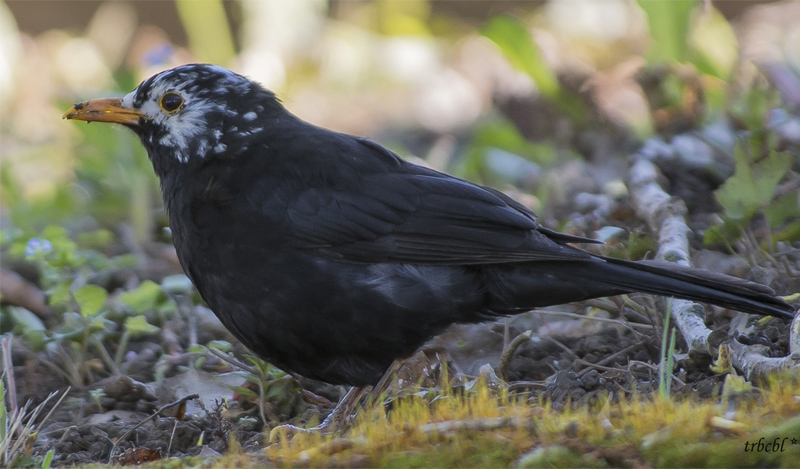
{"x": 188, "y": 114}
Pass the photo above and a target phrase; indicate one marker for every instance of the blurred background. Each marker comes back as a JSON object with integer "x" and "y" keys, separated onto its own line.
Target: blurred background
{"x": 548, "y": 101}
{"x": 491, "y": 90}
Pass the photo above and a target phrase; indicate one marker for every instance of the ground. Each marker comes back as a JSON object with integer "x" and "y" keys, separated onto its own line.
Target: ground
{"x": 674, "y": 152}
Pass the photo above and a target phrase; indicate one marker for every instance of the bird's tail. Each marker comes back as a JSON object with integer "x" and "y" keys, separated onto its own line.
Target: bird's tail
{"x": 546, "y": 283}
{"x": 669, "y": 279}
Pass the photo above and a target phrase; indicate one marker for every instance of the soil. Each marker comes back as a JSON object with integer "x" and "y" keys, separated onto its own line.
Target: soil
{"x": 571, "y": 369}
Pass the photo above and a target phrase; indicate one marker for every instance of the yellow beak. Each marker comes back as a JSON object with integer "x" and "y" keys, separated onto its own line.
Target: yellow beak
{"x": 104, "y": 110}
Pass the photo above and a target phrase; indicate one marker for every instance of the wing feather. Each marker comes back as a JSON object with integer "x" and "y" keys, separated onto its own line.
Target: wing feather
{"x": 412, "y": 214}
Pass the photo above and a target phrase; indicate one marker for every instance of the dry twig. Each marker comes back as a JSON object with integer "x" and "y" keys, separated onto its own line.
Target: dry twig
{"x": 666, "y": 216}
{"x": 151, "y": 417}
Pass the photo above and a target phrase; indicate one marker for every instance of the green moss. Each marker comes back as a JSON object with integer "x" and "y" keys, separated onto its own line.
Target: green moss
{"x": 483, "y": 429}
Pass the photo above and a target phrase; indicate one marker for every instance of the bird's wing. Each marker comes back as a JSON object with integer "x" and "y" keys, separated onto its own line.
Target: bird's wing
{"x": 416, "y": 215}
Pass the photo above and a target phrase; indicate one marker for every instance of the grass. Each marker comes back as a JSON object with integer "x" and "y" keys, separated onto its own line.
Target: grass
{"x": 486, "y": 429}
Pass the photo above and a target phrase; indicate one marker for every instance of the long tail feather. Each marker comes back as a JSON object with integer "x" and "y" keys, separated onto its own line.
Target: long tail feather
{"x": 668, "y": 279}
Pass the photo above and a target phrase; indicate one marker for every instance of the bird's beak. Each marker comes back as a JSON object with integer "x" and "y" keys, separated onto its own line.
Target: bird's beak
{"x": 105, "y": 110}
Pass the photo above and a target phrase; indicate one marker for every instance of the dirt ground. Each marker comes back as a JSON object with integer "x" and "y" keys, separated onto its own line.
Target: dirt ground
{"x": 568, "y": 361}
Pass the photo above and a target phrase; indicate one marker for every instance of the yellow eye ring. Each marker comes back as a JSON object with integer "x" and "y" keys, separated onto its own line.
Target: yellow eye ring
{"x": 170, "y": 102}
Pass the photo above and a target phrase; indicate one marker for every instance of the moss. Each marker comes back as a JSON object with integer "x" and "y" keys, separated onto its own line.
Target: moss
{"x": 486, "y": 429}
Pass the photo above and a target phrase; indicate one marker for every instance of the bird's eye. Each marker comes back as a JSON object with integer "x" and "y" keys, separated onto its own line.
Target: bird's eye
{"x": 171, "y": 102}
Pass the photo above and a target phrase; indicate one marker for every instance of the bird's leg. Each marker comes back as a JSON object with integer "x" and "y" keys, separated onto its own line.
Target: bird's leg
{"x": 340, "y": 417}
{"x": 335, "y": 421}
{"x": 385, "y": 382}
{"x": 345, "y": 410}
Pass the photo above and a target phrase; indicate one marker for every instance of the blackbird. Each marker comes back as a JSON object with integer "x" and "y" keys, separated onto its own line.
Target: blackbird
{"x": 330, "y": 256}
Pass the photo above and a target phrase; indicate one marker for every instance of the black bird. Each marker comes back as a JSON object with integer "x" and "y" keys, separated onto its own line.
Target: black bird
{"x": 330, "y": 256}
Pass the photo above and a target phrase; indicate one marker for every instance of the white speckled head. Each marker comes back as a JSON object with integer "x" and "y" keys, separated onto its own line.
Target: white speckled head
{"x": 190, "y": 109}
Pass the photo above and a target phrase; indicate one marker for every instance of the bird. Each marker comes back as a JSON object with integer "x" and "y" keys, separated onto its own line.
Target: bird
{"x": 332, "y": 257}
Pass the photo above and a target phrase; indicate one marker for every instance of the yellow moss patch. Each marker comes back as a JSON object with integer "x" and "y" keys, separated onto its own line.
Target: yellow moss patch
{"x": 480, "y": 429}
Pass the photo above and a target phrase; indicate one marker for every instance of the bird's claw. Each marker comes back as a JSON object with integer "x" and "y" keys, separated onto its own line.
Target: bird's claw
{"x": 288, "y": 432}
{"x": 336, "y": 421}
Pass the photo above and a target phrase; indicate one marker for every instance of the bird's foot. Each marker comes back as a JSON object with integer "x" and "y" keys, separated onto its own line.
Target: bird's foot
{"x": 339, "y": 418}
{"x": 287, "y": 431}
{"x": 336, "y": 421}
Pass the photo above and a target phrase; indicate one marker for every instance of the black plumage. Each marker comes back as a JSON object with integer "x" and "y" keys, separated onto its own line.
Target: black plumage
{"x": 330, "y": 256}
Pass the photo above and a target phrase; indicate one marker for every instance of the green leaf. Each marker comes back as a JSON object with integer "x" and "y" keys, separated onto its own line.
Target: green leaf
{"x": 48, "y": 459}
{"x": 29, "y": 326}
{"x": 717, "y": 50}
{"x": 55, "y": 233}
{"x": 90, "y": 299}
{"x": 97, "y": 239}
{"x": 724, "y": 233}
{"x": 100, "y": 324}
{"x": 138, "y": 325}
{"x": 514, "y": 39}
{"x": 222, "y": 345}
{"x": 167, "y": 309}
{"x": 752, "y": 186}
{"x": 143, "y": 298}
{"x": 25, "y": 320}
{"x": 790, "y": 233}
{"x": 59, "y": 296}
{"x": 244, "y": 391}
{"x": 669, "y": 28}
{"x": 783, "y": 208}
{"x": 754, "y": 104}
{"x": 125, "y": 261}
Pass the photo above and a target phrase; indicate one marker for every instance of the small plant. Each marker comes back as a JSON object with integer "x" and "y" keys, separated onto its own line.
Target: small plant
{"x": 85, "y": 316}
{"x": 514, "y": 40}
{"x": 667, "y": 361}
{"x": 18, "y": 427}
{"x": 754, "y": 189}
{"x": 97, "y": 395}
